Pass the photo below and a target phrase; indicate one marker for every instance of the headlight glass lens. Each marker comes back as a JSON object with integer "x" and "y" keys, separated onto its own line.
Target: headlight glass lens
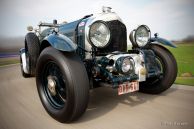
{"x": 126, "y": 65}
{"x": 99, "y": 34}
{"x": 142, "y": 35}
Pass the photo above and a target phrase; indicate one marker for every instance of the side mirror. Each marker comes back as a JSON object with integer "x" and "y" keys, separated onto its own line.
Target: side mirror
{"x": 30, "y": 28}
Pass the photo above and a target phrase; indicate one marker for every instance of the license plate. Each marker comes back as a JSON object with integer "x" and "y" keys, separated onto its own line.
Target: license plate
{"x": 128, "y": 87}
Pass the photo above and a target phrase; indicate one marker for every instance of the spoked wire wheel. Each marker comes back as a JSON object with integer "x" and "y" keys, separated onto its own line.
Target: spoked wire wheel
{"x": 62, "y": 84}
{"x": 54, "y": 85}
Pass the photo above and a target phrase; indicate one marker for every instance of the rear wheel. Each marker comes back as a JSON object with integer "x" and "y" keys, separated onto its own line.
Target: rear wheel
{"x": 62, "y": 84}
{"x": 32, "y": 48}
{"x": 25, "y": 75}
{"x": 168, "y": 67}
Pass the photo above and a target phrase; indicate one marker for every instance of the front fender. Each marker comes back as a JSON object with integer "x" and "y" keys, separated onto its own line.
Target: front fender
{"x": 162, "y": 41}
{"x": 60, "y": 42}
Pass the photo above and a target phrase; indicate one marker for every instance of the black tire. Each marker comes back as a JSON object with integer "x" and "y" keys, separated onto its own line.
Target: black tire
{"x": 22, "y": 71}
{"x": 169, "y": 68}
{"x": 32, "y": 47}
{"x": 70, "y": 76}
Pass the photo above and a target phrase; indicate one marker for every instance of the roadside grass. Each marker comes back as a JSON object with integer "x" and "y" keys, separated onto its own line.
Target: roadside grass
{"x": 8, "y": 61}
{"x": 184, "y": 54}
{"x": 185, "y": 81}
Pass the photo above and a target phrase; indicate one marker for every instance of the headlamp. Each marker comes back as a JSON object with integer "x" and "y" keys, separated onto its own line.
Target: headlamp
{"x": 125, "y": 65}
{"x": 99, "y": 34}
{"x": 140, "y": 37}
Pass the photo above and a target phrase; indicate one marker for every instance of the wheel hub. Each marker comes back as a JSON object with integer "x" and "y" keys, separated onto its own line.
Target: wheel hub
{"x": 51, "y": 85}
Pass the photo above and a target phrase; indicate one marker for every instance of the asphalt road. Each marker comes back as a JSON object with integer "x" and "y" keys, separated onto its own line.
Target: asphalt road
{"x": 20, "y": 107}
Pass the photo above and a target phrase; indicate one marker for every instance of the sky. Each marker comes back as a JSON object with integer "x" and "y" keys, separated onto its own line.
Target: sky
{"x": 172, "y": 19}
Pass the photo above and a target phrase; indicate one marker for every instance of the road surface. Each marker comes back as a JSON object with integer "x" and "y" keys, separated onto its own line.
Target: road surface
{"x": 20, "y": 107}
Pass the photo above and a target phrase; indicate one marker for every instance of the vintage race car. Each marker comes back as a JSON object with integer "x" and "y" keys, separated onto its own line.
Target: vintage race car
{"x": 69, "y": 59}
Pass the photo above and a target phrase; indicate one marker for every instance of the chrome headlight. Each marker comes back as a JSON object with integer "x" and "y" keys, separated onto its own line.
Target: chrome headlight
{"x": 140, "y": 37}
{"x": 99, "y": 34}
{"x": 125, "y": 65}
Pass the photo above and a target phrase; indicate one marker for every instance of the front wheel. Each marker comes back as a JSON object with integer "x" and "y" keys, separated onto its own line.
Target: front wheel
{"x": 168, "y": 66}
{"x": 62, "y": 84}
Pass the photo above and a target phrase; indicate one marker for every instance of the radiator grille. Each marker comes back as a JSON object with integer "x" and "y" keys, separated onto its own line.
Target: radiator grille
{"x": 118, "y": 41}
